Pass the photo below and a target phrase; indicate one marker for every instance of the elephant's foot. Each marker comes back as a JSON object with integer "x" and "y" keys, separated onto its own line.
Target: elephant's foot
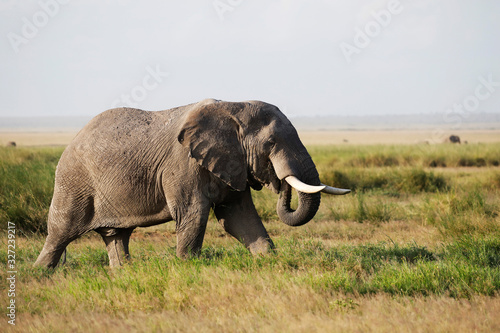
{"x": 49, "y": 258}
{"x": 189, "y": 245}
{"x": 261, "y": 246}
{"x": 52, "y": 250}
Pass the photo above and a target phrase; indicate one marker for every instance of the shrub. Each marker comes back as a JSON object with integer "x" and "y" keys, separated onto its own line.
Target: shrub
{"x": 418, "y": 180}
{"x": 390, "y": 181}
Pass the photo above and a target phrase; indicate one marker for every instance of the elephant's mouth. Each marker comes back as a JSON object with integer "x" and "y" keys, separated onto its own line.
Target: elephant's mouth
{"x": 253, "y": 182}
{"x": 274, "y": 185}
{"x": 268, "y": 179}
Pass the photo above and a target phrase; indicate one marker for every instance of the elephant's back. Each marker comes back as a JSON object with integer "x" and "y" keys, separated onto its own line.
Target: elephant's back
{"x": 117, "y": 126}
{"x": 116, "y": 137}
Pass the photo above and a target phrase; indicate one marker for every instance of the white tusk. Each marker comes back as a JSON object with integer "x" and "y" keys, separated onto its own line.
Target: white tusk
{"x": 306, "y": 188}
{"x": 334, "y": 190}
{"x": 303, "y": 187}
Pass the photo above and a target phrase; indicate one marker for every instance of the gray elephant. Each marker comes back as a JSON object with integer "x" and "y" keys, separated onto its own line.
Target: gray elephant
{"x": 130, "y": 168}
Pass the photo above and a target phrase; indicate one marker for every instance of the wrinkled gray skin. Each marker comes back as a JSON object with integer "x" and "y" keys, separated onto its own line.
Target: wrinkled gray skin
{"x": 130, "y": 168}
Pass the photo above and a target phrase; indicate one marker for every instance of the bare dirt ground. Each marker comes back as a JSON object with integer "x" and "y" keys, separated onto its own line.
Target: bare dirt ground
{"x": 420, "y": 136}
{"x": 42, "y": 138}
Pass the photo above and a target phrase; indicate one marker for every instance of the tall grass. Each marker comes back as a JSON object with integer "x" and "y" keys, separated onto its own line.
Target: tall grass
{"x": 375, "y": 174}
{"x": 458, "y": 213}
{"x": 26, "y": 186}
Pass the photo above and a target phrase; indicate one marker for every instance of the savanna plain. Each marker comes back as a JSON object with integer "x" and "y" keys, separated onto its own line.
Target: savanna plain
{"x": 414, "y": 248}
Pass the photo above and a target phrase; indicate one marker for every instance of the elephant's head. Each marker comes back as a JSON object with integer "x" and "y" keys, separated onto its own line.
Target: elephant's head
{"x": 253, "y": 143}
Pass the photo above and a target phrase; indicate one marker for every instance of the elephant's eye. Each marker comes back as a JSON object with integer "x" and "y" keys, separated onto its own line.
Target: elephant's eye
{"x": 271, "y": 142}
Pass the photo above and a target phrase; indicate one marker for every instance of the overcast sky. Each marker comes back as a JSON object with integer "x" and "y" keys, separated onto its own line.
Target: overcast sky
{"x": 81, "y": 57}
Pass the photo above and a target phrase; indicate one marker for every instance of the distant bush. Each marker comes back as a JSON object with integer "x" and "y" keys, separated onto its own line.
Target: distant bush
{"x": 418, "y": 180}
{"x": 375, "y": 160}
{"x": 435, "y": 156}
{"x": 389, "y": 180}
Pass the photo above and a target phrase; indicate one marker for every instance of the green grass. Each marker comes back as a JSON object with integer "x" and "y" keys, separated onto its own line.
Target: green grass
{"x": 382, "y": 172}
{"x": 26, "y": 186}
{"x": 157, "y": 280}
{"x": 409, "y": 231}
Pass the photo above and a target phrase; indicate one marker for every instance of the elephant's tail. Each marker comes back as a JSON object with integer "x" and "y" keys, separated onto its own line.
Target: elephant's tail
{"x": 63, "y": 257}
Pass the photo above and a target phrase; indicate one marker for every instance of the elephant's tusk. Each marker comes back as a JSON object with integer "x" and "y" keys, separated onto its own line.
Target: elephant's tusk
{"x": 306, "y": 188}
{"x": 303, "y": 187}
{"x": 334, "y": 190}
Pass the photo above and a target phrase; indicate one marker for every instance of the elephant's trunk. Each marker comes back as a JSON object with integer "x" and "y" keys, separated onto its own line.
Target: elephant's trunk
{"x": 300, "y": 173}
{"x": 297, "y": 170}
{"x": 307, "y": 208}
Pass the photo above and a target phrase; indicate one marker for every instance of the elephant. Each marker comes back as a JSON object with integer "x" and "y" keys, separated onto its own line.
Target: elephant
{"x": 130, "y": 168}
{"x": 453, "y": 139}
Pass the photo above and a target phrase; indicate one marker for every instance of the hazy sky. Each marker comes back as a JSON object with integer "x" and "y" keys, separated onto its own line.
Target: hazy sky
{"x": 81, "y": 57}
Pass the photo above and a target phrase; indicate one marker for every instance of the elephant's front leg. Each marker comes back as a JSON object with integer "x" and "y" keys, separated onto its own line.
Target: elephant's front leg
{"x": 240, "y": 219}
{"x": 190, "y": 230}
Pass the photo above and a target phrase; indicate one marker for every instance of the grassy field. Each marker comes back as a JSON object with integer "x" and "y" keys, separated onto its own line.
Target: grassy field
{"x": 414, "y": 248}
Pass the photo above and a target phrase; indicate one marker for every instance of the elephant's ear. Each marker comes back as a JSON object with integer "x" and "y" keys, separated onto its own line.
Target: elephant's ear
{"x": 212, "y": 138}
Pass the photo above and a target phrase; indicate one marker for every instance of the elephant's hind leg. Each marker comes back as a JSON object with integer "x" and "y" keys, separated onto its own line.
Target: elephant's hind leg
{"x": 71, "y": 210}
{"x": 52, "y": 251}
{"x": 117, "y": 241}
{"x": 60, "y": 235}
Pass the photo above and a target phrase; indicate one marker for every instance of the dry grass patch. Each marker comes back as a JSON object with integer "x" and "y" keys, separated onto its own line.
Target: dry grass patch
{"x": 379, "y": 313}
